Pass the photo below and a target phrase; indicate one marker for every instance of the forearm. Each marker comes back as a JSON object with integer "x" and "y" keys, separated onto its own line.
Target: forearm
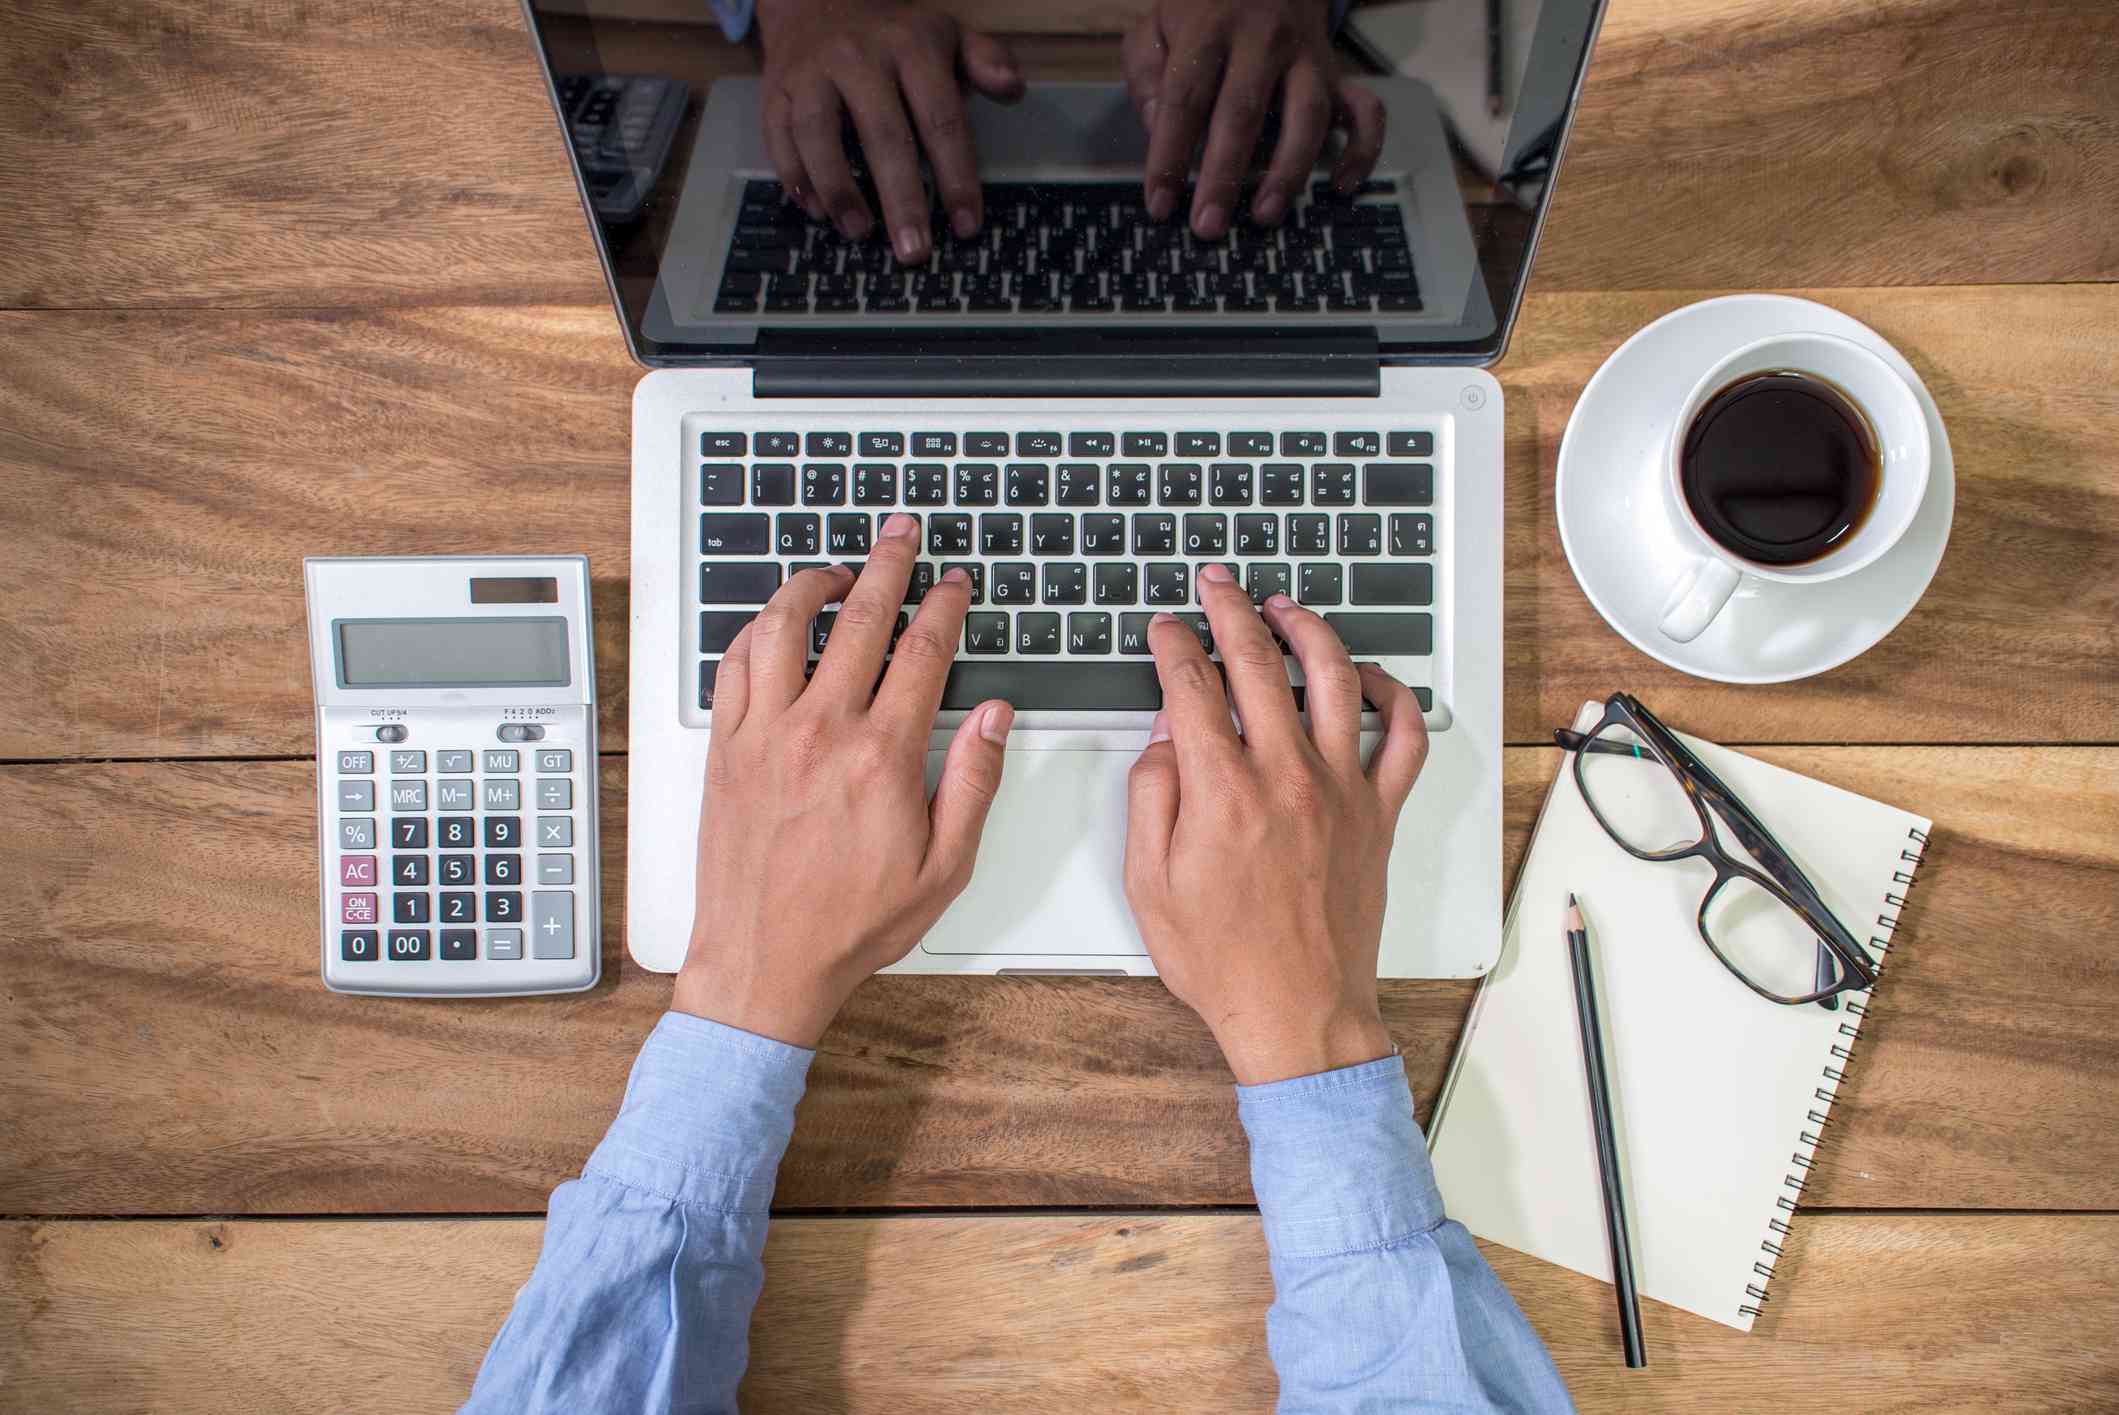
{"x": 641, "y": 1299}
{"x": 1380, "y": 1302}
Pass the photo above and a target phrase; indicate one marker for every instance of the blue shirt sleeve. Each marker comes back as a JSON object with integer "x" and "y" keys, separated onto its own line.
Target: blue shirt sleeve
{"x": 641, "y": 1299}
{"x": 735, "y": 16}
{"x": 1381, "y": 1302}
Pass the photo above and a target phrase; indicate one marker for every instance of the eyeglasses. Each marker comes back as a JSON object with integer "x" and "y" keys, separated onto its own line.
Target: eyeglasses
{"x": 1765, "y": 922}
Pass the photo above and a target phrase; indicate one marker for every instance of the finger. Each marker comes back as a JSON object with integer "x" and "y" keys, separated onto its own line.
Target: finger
{"x": 779, "y": 638}
{"x": 860, "y": 635}
{"x": 1403, "y": 751}
{"x": 1184, "y": 98}
{"x": 971, "y": 776}
{"x": 1151, "y": 809}
{"x": 990, "y": 67}
{"x": 1331, "y": 688}
{"x": 1239, "y": 116}
{"x": 912, "y": 690}
{"x": 732, "y": 685}
{"x": 787, "y": 162}
{"x": 1193, "y": 701}
{"x": 1258, "y": 677}
{"x": 1305, "y": 121}
{"x": 1362, "y": 112}
{"x": 1141, "y": 56}
{"x": 893, "y": 160}
{"x": 945, "y": 135}
{"x": 816, "y": 116}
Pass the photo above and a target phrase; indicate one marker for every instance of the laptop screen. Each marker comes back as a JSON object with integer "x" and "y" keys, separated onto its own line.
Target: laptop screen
{"x": 1426, "y": 245}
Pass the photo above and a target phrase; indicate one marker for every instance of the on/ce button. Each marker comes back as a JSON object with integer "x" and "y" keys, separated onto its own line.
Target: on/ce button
{"x": 521, "y": 732}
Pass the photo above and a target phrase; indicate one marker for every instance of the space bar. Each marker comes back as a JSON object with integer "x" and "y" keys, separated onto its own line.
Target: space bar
{"x": 1058, "y": 687}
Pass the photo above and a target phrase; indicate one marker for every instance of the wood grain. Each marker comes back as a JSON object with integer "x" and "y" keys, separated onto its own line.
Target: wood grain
{"x": 170, "y": 1049}
{"x": 180, "y": 477}
{"x": 180, "y": 152}
{"x": 1053, "y": 1314}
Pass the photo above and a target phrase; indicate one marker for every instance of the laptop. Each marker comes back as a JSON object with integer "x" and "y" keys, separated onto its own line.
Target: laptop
{"x": 1082, "y": 406}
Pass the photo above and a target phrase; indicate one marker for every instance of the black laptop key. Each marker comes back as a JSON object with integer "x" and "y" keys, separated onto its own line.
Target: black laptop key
{"x": 778, "y": 444}
{"x": 949, "y": 534}
{"x": 984, "y": 633}
{"x": 1320, "y": 584}
{"x": 1199, "y": 444}
{"x": 1000, "y": 533}
{"x": 1103, "y": 534}
{"x": 1060, "y": 686}
{"x": 772, "y": 484}
{"x": 1037, "y": 633}
{"x": 921, "y": 582}
{"x": 1013, "y": 582}
{"x": 721, "y": 483}
{"x": 1118, "y": 583}
{"x": 1412, "y": 444}
{"x": 1356, "y": 444}
{"x": 1386, "y": 258}
{"x": 847, "y": 534}
{"x": 1166, "y": 583}
{"x": 796, "y": 533}
{"x": 1089, "y": 632}
{"x": 727, "y": 534}
{"x": 1250, "y": 444}
{"x": 1091, "y": 444}
{"x": 1029, "y": 483}
{"x": 763, "y": 259}
{"x": 1076, "y": 484}
{"x": 1146, "y": 444}
{"x": 875, "y": 484}
{"x": 718, "y": 628}
{"x": 1154, "y": 533}
{"x": 1206, "y": 533}
{"x": 723, "y": 444}
{"x": 1332, "y": 484}
{"x": 880, "y": 444}
{"x": 1405, "y": 634}
{"x": 985, "y": 444}
{"x": 1067, "y": 582}
{"x": 934, "y": 444}
{"x": 729, "y": 583}
{"x": 1309, "y": 534}
{"x": 1412, "y": 533}
{"x": 1258, "y": 534}
{"x": 828, "y": 444}
{"x": 1398, "y": 483}
{"x": 978, "y": 484}
{"x": 1268, "y": 578}
{"x": 1229, "y": 484}
{"x": 1386, "y": 582}
{"x": 707, "y": 669}
{"x": 1037, "y": 444}
{"x": 1360, "y": 534}
{"x": 1052, "y": 533}
{"x": 824, "y": 484}
{"x": 1179, "y": 483}
{"x": 1302, "y": 444}
{"x": 1280, "y": 484}
{"x": 926, "y": 484}
{"x": 1390, "y": 301}
{"x": 1130, "y": 484}
{"x": 737, "y": 302}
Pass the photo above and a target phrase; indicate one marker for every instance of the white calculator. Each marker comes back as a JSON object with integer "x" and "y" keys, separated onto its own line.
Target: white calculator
{"x": 456, "y": 773}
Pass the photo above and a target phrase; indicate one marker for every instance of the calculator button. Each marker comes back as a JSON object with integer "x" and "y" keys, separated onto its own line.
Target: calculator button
{"x": 357, "y": 909}
{"x": 356, "y": 762}
{"x": 455, "y": 794}
{"x": 503, "y": 832}
{"x": 408, "y": 869}
{"x": 357, "y": 834}
{"x": 555, "y": 869}
{"x": 356, "y": 870}
{"x": 503, "y": 795}
{"x": 408, "y": 795}
{"x": 500, "y": 759}
{"x": 459, "y": 907}
{"x": 358, "y": 946}
{"x": 504, "y": 943}
{"x": 408, "y": 908}
{"x": 408, "y": 945}
{"x": 458, "y": 832}
{"x": 556, "y": 795}
{"x": 458, "y": 869}
{"x": 455, "y": 761}
{"x": 408, "y": 832}
{"x": 530, "y": 731}
{"x": 503, "y": 869}
{"x": 391, "y": 732}
{"x": 504, "y": 906}
{"x": 408, "y": 761}
{"x": 555, "y": 830}
{"x": 356, "y": 795}
{"x": 555, "y": 759}
{"x": 459, "y": 945}
{"x": 552, "y": 923}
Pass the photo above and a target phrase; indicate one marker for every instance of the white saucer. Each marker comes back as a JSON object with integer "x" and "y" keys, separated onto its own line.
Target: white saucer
{"x": 1625, "y": 555}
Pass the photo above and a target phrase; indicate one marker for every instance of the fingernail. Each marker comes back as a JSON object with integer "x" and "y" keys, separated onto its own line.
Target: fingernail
{"x": 1212, "y": 221}
{"x": 1216, "y": 572}
{"x": 1160, "y": 201}
{"x": 999, "y": 718}
{"x": 965, "y": 222}
{"x": 855, "y": 225}
{"x": 955, "y": 575}
{"x": 1163, "y": 617}
{"x": 1279, "y": 601}
{"x": 912, "y": 246}
{"x": 1159, "y": 730}
{"x": 1268, "y": 208}
{"x": 900, "y": 525}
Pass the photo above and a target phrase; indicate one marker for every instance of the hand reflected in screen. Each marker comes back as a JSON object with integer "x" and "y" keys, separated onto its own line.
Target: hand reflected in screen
{"x": 899, "y": 70}
{"x": 1212, "y": 70}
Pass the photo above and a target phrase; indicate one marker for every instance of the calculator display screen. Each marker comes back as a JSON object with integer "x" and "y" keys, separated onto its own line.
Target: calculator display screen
{"x": 497, "y": 652}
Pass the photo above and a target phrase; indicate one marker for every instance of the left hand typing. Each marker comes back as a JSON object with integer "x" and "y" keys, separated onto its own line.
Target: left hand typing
{"x": 821, "y": 858}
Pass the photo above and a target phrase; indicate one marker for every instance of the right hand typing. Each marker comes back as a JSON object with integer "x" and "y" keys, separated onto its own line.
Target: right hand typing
{"x": 1256, "y": 861}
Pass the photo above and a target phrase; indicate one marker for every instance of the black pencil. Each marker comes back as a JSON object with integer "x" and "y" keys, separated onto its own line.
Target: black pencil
{"x": 1607, "y": 1145}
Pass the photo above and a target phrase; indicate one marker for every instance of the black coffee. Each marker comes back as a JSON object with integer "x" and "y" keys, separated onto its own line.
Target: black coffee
{"x": 1779, "y": 467}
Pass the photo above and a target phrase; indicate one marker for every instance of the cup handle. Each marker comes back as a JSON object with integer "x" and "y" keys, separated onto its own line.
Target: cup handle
{"x": 1697, "y": 597}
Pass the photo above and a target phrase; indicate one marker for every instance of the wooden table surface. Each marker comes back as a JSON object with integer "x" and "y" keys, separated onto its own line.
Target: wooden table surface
{"x": 284, "y": 279}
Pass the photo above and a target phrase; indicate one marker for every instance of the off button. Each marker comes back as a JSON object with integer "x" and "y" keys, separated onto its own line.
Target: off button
{"x": 521, "y": 732}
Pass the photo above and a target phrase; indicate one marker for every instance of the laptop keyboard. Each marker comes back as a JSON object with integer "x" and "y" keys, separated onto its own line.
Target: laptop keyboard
{"x": 1074, "y": 539}
{"x": 1078, "y": 248}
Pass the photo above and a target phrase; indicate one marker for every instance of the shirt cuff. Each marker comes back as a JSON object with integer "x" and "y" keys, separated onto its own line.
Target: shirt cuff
{"x": 707, "y": 1116}
{"x": 734, "y": 16}
{"x": 1337, "y": 1161}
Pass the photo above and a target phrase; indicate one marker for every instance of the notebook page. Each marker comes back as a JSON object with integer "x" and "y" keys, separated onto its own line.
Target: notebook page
{"x": 1713, "y": 1086}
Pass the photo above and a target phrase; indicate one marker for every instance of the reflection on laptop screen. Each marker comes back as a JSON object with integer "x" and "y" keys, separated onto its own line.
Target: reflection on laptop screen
{"x": 707, "y": 256}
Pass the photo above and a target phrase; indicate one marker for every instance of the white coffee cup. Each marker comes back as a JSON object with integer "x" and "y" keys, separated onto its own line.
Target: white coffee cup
{"x": 1712, "y": 574}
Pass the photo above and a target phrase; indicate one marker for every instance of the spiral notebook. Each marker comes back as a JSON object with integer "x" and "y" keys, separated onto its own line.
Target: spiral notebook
{"x": 1719, "y": 1097}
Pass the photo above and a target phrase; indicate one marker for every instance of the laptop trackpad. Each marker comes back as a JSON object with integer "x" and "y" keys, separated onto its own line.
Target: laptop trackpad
{"x": 1049, "y": 877}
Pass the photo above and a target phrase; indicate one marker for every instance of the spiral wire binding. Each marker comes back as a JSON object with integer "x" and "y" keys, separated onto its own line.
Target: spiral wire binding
{"x": 1805, "y": 1159}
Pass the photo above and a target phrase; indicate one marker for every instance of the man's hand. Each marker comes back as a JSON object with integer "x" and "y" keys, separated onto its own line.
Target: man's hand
{"x": 1255, "y": 863}
{"x": 897, "y": 68}
{"x": 821, "y": 858}
{"x": 1210, "y": 68}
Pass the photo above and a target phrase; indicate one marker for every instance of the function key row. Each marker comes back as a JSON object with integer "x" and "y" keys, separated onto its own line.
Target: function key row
{"x": 1075, "y": 444}
{"x": 548, "y": 760}
{"x": 918, "y": 484}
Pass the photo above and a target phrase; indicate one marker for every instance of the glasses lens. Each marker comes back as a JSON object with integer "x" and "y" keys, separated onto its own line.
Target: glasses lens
{"x": 1638, "y": 797}
{"x": 1762, "y": 938}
